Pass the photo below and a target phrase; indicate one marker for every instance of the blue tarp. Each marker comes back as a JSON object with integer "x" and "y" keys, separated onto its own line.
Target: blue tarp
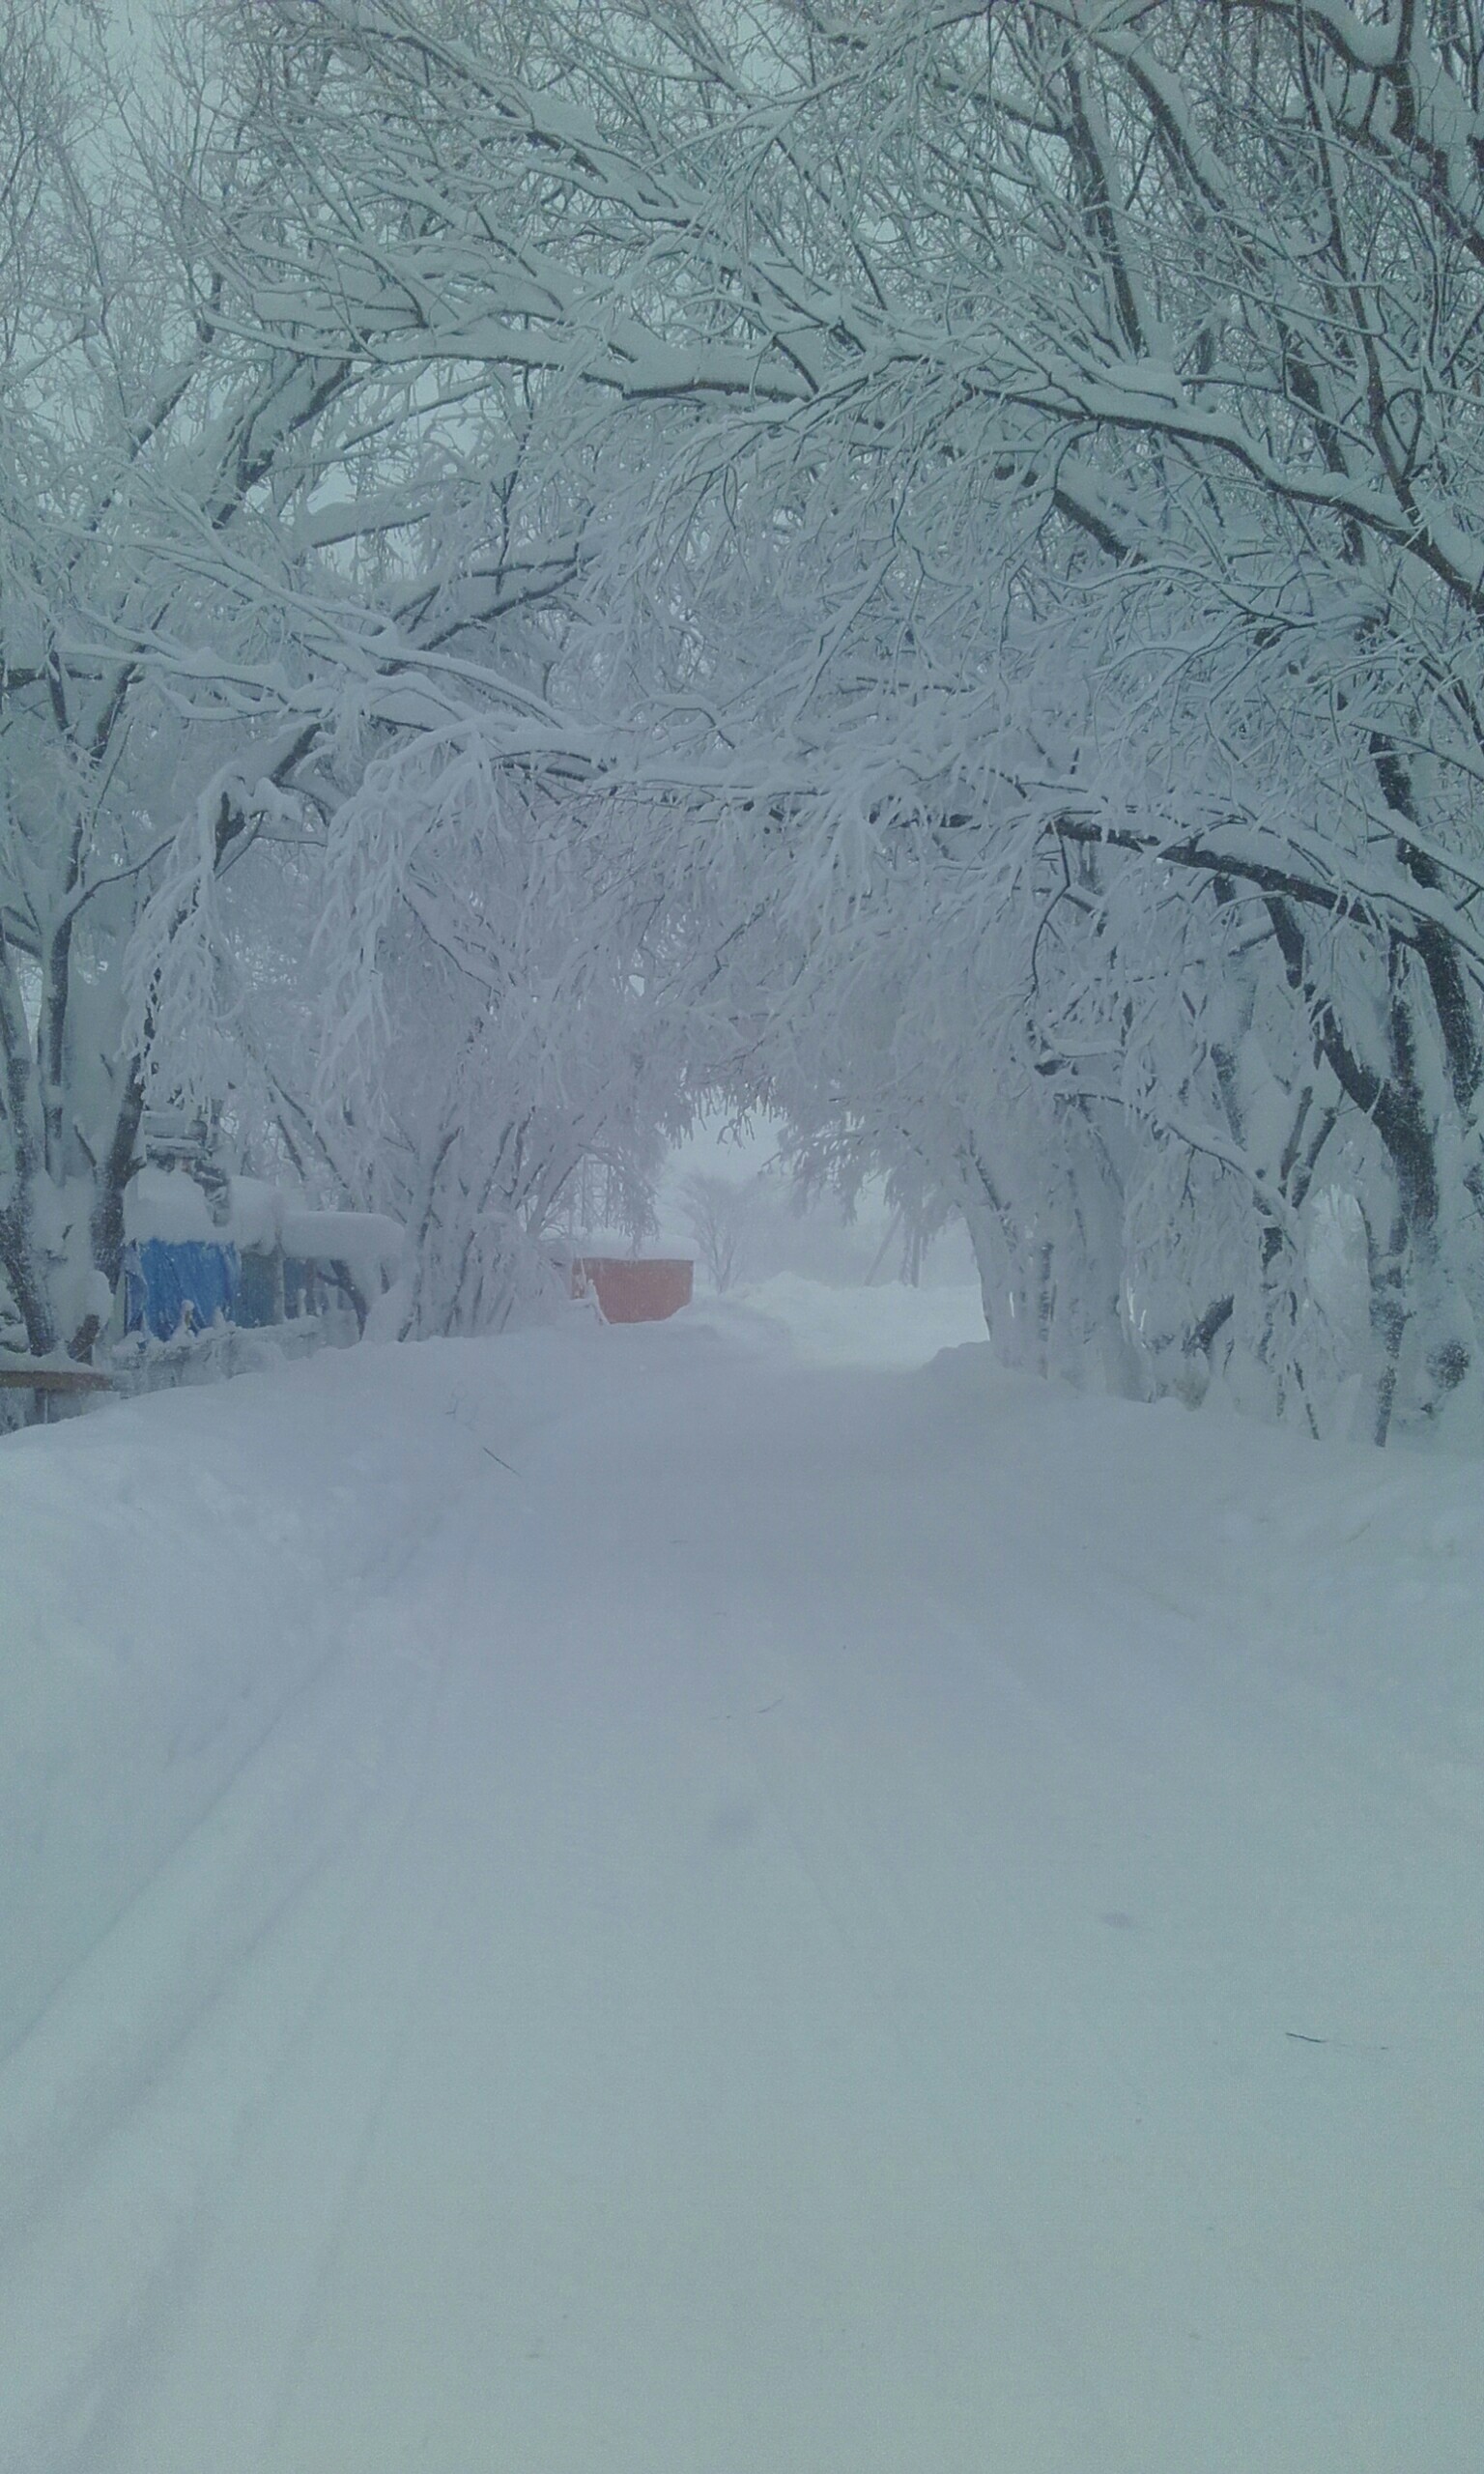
{"x": 165, "y": 1285}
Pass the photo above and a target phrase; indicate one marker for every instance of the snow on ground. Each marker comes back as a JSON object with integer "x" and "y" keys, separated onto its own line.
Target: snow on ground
{"x": 659, "y": 1902}
{"x": 892, "y": 1326}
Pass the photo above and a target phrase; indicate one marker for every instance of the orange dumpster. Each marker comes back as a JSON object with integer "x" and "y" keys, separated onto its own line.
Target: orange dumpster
{"x": 642, "y": 1289}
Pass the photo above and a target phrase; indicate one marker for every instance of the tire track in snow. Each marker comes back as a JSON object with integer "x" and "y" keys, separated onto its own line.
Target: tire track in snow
{"x": 706, "y": 2051}
{"x": 124, "y": 2105}
{"x": 846, "y": 1853}
{"x": 246, "y": 2280}
{"x": 341, "y": 1643}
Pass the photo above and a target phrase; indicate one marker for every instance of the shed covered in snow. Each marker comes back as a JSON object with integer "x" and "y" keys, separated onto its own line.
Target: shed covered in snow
{"x": 181, "y": 1270}
{"x": 643, "y": 1288}
{"x": 245, "y": 1255}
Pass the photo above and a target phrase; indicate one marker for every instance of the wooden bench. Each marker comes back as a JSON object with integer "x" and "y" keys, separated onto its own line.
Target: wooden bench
{"x": 43, "y": 1377}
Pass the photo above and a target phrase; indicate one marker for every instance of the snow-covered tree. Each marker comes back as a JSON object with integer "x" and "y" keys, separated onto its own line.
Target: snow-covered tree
{"x": 143, "y": 450}
{"x": 1190, "y": 295}
{"x": 239, "y": 570}
{"x": 945, "y": 539}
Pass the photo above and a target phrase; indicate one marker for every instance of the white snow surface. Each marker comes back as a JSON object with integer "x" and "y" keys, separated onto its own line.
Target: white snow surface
{"x": 166, "y": 1203}
{"x": 254, "y": 1214}
{"x": 367, "y": 1242}
{"x": 859, "y": 1326}
{"x": 653, "y": 1901}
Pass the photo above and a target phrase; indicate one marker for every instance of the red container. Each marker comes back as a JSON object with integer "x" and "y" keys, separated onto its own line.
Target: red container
{"x": 647, "y": 1291}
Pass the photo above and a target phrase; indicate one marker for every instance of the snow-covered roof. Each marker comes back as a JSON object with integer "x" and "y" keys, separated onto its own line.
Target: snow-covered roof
{"x": 167, "y": 1205}
{"x": 255, "y": 1213}
{"x": 369, "y": 1243}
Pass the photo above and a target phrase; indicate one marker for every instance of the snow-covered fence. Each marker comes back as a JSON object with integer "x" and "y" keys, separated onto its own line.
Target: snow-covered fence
{"x": 231, "y": 1282}
{"x": 141, "y": 1362}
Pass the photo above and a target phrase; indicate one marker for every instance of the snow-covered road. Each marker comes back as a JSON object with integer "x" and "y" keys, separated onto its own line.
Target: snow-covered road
{"x": 641, "y": 1902}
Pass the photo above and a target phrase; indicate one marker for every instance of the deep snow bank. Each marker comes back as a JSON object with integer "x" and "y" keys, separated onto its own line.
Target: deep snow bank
{"x": 888, "y": 1326}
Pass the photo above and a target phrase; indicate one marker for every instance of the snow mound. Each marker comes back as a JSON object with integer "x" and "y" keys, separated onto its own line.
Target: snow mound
{"x": 367, "y": 1242}
{"x": 890, "y": 1326}
{"x": 255, "y": 1213}
{"x": 166, "y": 1206}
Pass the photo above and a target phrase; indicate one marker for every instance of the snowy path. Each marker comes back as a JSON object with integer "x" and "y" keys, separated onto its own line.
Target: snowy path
{"x": 820, "y": 1922}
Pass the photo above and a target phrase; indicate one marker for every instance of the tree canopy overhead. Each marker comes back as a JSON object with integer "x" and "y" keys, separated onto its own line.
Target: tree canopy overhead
{"x": 920, "y": 565}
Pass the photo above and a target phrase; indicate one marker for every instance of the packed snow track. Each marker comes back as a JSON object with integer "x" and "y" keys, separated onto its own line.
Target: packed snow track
{"x": 663, "y": 1902}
